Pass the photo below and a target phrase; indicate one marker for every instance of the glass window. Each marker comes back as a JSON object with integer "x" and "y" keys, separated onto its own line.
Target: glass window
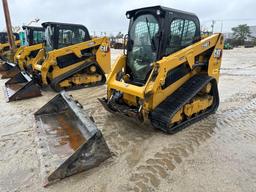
{"x": 71, "y": 36}
{"x": 38, "y": 37}
{"x": 175, "y": 36}
{"x": 81, "y": 35}
{"x": 23, "y": 39}
{"x": 48, "y": 37}
{"x": 142, "y": 51}
{"x": 16, "y": 36}
{"x": 2, "y": 38}
{"x": 66, "y": 37}
{"x": 189, "y": 33}
{"x": 182, "y": 33}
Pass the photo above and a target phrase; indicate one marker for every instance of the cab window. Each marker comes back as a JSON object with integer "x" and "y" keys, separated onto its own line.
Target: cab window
{"x": 81, "y": 35}
{"x": 181, "y": 34}
{"x": 65, "y": 37}
{"x": 189, "y": 33}
{"x": 38, "y": 37}
{"x": 71, "y": 36}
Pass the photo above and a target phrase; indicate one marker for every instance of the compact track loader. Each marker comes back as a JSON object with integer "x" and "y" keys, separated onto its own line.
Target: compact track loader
{"x": 31, "y": 42}
{"x": 5, "y": 47}
{"x": 169, "y": 74}
{"x": 70, "y": 60}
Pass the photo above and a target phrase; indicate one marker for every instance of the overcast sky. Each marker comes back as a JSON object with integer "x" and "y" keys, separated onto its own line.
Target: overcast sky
{"x": 109, "y": 15}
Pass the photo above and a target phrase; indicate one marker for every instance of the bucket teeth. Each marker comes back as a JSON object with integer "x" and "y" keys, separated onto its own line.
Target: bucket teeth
{"x": 8, "y": 70}
{"x": 68, "y": 140}
{"x": 20, "y": 87}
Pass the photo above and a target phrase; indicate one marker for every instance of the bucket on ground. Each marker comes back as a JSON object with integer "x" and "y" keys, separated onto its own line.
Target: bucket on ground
{"x": 68, "y": 140}
{"x": 8, "y": 70}
{"x": 20, "y": 87}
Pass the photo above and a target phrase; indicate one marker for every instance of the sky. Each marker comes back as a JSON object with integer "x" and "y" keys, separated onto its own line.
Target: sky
{"x": 109, "y": 15}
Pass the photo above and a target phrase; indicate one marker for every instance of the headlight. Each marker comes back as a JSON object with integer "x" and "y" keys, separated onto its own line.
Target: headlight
{"x": 158, "y": 12}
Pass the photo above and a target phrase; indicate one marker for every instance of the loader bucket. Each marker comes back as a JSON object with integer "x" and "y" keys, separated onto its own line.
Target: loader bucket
{"x": 8, "y": 70}
{"x": 68, "y": 140}
{"x": 20, "y": 87}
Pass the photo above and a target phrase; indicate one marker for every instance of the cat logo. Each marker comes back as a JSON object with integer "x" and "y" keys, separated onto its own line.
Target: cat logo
{"x": 104, "y": 48}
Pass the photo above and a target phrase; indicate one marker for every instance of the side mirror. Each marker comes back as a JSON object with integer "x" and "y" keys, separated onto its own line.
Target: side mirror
{"x": 125, "y": 44}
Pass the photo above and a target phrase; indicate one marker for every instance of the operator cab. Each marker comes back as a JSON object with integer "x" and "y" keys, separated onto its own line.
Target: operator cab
{"x": 59, "y": 35}
{"x": 155, "y": 32}
{"x": 4, "y": 37}
{"x": 31, "y": 35}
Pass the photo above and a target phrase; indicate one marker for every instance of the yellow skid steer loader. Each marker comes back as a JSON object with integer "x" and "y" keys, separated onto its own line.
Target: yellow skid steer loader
{"x": 70, "y": 60}
{"x": 170, "y": 73}
{"x": 5, "y": 47}
{"x": 31, "y": 43}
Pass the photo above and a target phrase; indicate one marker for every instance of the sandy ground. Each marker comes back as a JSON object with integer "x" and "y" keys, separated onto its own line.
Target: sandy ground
{"x": 216, "y": 154}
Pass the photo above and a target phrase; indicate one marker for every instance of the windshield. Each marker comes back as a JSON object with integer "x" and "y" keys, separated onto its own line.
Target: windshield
{"x": 3, "y": 38}
{"x": 48, "y": 38}
{"x": 142, "y": 50}
{"x": 23, "y": 39}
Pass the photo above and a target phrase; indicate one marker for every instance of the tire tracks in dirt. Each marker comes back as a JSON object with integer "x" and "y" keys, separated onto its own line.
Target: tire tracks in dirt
{"x": 148, "y": 175}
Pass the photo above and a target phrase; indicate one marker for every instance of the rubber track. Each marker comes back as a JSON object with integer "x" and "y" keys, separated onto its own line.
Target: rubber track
{"x": 160, "y": 117}
{"x": 55, "y": 82}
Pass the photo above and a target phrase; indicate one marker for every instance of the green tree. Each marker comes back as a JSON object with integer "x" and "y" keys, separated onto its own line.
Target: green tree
{"x": 241, "y": 33}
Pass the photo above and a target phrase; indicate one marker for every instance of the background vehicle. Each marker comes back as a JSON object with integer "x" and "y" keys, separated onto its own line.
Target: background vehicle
{"x": 248, "y": 44}
{"x": 31, "y": 40}
{"x": 31, "y": 35}
{"x": 228, "y": 46}
{"x": 69, "y": 60}
{"x": 4, "y": 45}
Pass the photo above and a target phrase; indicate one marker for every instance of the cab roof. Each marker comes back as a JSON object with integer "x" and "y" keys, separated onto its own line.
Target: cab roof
{"x": 5, "y": 33}
{"x": 161, "y": 8}
{"x": 32, "y": 27}
{"x": 62, "y": 24}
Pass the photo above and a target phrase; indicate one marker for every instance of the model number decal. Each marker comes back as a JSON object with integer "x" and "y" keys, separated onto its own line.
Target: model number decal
{"x": 206, "y": 45}
{"x": 104, "y": 48}
{"x": 217, "y": 53}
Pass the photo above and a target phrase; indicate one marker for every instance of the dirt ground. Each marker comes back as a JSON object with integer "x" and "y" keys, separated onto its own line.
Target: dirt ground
{"x": 214, "y": 155}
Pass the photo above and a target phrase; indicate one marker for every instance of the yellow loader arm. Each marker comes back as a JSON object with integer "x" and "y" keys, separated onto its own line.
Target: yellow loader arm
{"x": 25, "y": 55}
{"x": 5, "y": 51}
{"x": 5, "y": 46}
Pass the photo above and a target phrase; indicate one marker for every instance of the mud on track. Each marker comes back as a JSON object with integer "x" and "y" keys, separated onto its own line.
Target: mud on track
{"x": 216, "y": 154}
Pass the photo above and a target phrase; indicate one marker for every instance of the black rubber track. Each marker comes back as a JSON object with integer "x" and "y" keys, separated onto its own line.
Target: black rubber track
{"x": 55, "y": 82}
{"x": 160, "y": 117}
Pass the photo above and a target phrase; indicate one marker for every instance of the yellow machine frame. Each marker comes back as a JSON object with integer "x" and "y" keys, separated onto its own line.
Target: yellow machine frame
{"x": 7, "y": 53}
{"x": 22, "y": 55}
{"x": 152, "y": 94}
